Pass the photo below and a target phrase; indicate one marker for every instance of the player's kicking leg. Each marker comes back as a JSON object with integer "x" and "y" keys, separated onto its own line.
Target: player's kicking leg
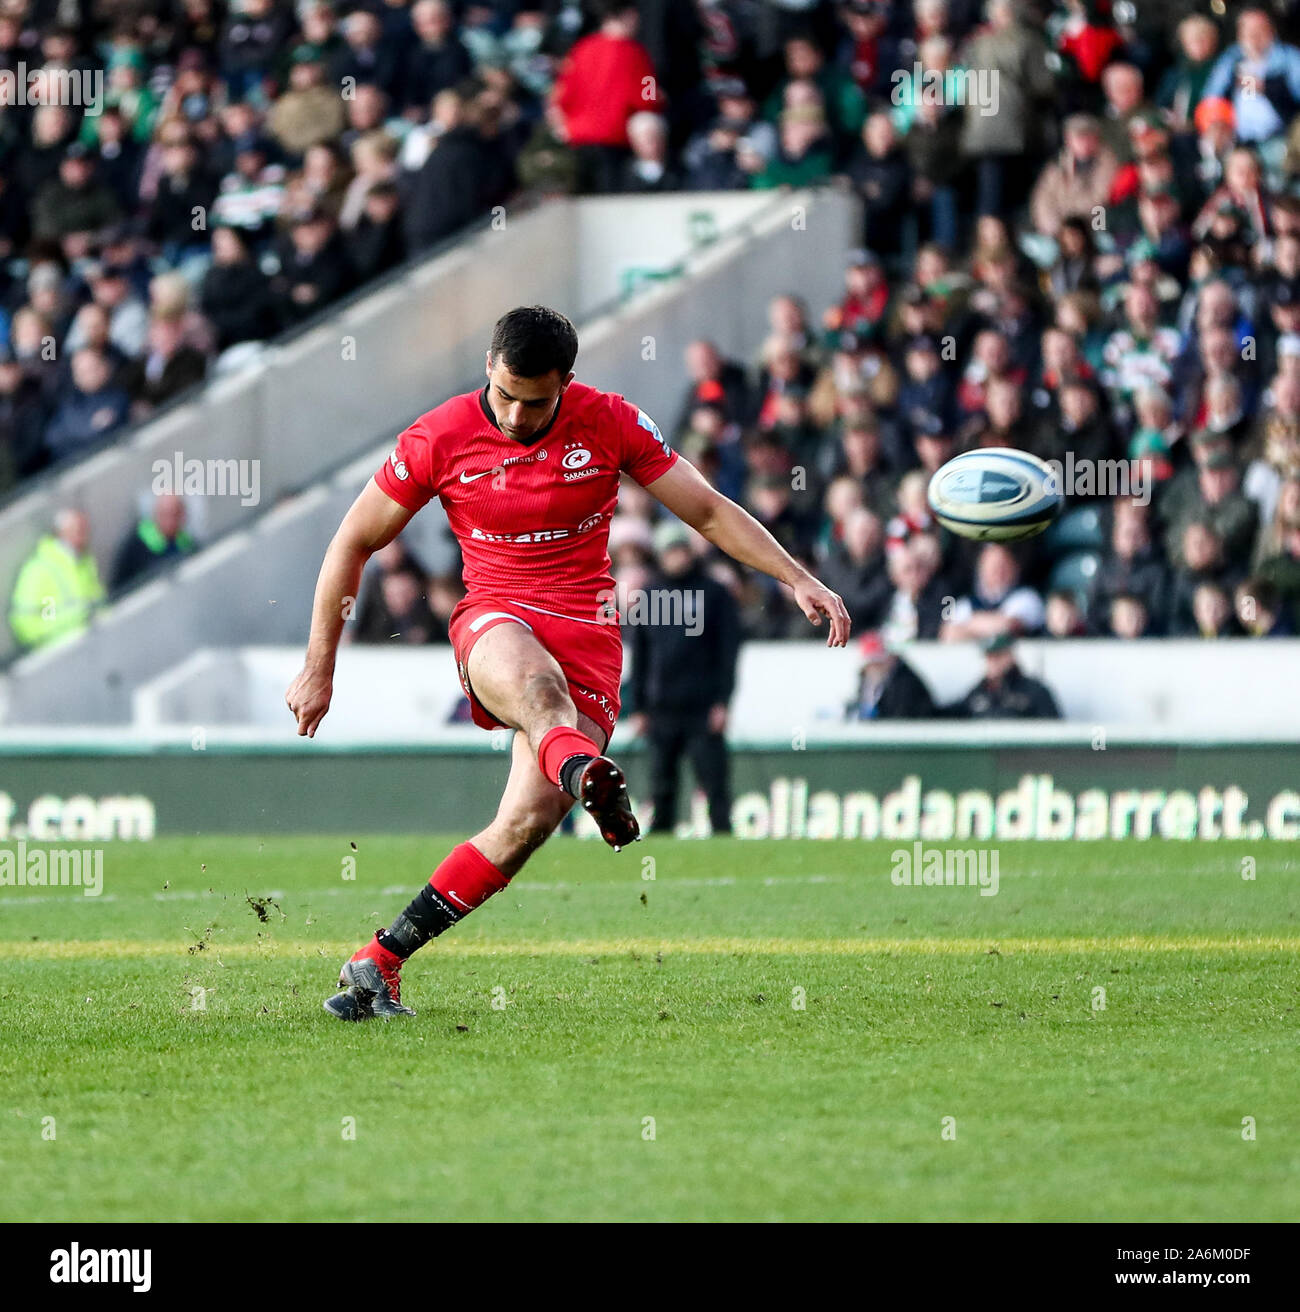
{"x": 535, "y": 800}
{"x": 522, "y": 684}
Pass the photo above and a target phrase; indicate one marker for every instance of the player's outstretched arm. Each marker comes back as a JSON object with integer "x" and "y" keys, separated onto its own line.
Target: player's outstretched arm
{"x": 373, "y": 521}
{"x": 731, "y": 528}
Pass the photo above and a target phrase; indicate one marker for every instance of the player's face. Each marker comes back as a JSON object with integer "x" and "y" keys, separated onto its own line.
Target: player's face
{"x": 523, "y": 406}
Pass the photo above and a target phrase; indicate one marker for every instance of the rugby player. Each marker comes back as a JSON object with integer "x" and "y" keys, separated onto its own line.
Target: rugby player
{"x": 527, "y": 470}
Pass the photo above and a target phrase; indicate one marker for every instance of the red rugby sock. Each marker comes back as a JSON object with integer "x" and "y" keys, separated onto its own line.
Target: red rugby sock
{"x": 466, "y": 878}
{"x": 558, "y": 745}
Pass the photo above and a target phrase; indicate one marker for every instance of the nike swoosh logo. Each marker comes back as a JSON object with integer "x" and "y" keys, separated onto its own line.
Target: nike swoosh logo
{"x": 469, "y": 478}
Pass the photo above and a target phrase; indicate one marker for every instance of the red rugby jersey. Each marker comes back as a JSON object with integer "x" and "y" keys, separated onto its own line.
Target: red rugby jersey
{"x": 532, "y": 521}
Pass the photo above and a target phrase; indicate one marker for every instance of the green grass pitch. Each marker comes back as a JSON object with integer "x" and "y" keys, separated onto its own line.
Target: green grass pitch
{"x": 952, "y": 1057}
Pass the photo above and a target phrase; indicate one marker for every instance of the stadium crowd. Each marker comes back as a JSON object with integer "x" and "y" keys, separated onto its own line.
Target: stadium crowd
{"x": 1081, "y": 237}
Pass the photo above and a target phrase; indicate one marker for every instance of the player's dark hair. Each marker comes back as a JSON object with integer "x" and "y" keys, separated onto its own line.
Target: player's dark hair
{"x": 533, "y": 340}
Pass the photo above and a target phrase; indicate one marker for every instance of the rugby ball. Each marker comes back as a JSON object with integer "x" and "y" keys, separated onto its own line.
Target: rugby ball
{"x": 995, "y": 494}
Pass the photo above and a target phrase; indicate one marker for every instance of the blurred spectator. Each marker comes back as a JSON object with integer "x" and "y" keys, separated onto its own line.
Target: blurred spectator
{"x": 917, "y": 604}
{"x": 804, "y": 150}
{"x": 1261, "y": 611}
{"x": 251, "y": 42}
{"x": 92, "y": 408}
{"x": 443, "y": 592}
{"x": 1141, "y": 352}
{"x": 184, "y": 195}
{"x": 1005, "y": 692}
{"x": 1131, "y": 566}
{"x": 855, "y": 568}
{"x": 23, "y": 412}
{"x": 888, "y": 687}
{"x": 715, "y": 381}
{"x": 374, "y": 163}
{"x": 1282, "y": 569}
{"x": 1078, "y": 183}
{"x": 1199, "y": 561}
{"x": 388, "y": 609}
{"x": 647, "y": 169}
{"x": 74, "y": 202}
{"x": 1128, "y": 617}
{"x": 1183, "y": 85}
{"x": 58, "y": 587}
{"x": 606, "y": 78}
{"x": 437, "y": 60}
{"x": 448, "y": 191}
{"x": 810, "y": 78}
{"x": 118, "y": 156}
{"x": 159, "y": 538}
{"x": 883, "y": 179}
{"x": 1219, "y": 503}
{"x": 167, "y": 368}
{"x": 309, "y": 112}
{"x": 997, "y": 603}
{"x": 1261, "y": 77}
{"x": 376, "y": 242}
{"x": 314, "y": 268}
{"x": 252, "y": 193}
{"x": 236, "y": 295}
{"x": 322, "y": 181}
{"x": 1212, "y": 612}
{"x": 367, "y": 55}
{"x": 712, "y": 156}
{"x": 683, "y": 653}
{"x": 404, "y": 609}
{"x": 1064, "y": 616}
{"x": 1010, "y": 55}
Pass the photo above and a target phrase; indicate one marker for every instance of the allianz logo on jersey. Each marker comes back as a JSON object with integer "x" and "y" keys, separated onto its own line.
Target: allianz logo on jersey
{"x": 540, "y": 534}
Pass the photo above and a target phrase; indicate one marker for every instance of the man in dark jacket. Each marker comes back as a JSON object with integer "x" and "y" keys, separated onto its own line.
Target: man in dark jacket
{"x": 446, "y": 194}
{"x": 91, "y": 409}
{"x": 889, "y": 689}
{"x": 167, "y": 369}
{"x": 235, "y": 295}
{"x": 437, "y": 59}
{"x": 1131, "y": 567}
{"x": 376, "y": 243}
{"x": 685, "y": 639}
{"x": 74, "y": 202}
{"x": 882, "y": 178}
{"x": 314, "y": 268}
{"x": 858, "y": 570}
{"x": 1005, "y": 692}
{"x": 184, "y": 189}
{"x": 23, "y": 415}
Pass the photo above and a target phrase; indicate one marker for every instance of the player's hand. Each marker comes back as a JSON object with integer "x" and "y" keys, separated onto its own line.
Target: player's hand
{"x": 308, "y": 698}
{"x": 639, "y": 723}
{"x": 815, "y": 600}
{"x": 717, "y": 719}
